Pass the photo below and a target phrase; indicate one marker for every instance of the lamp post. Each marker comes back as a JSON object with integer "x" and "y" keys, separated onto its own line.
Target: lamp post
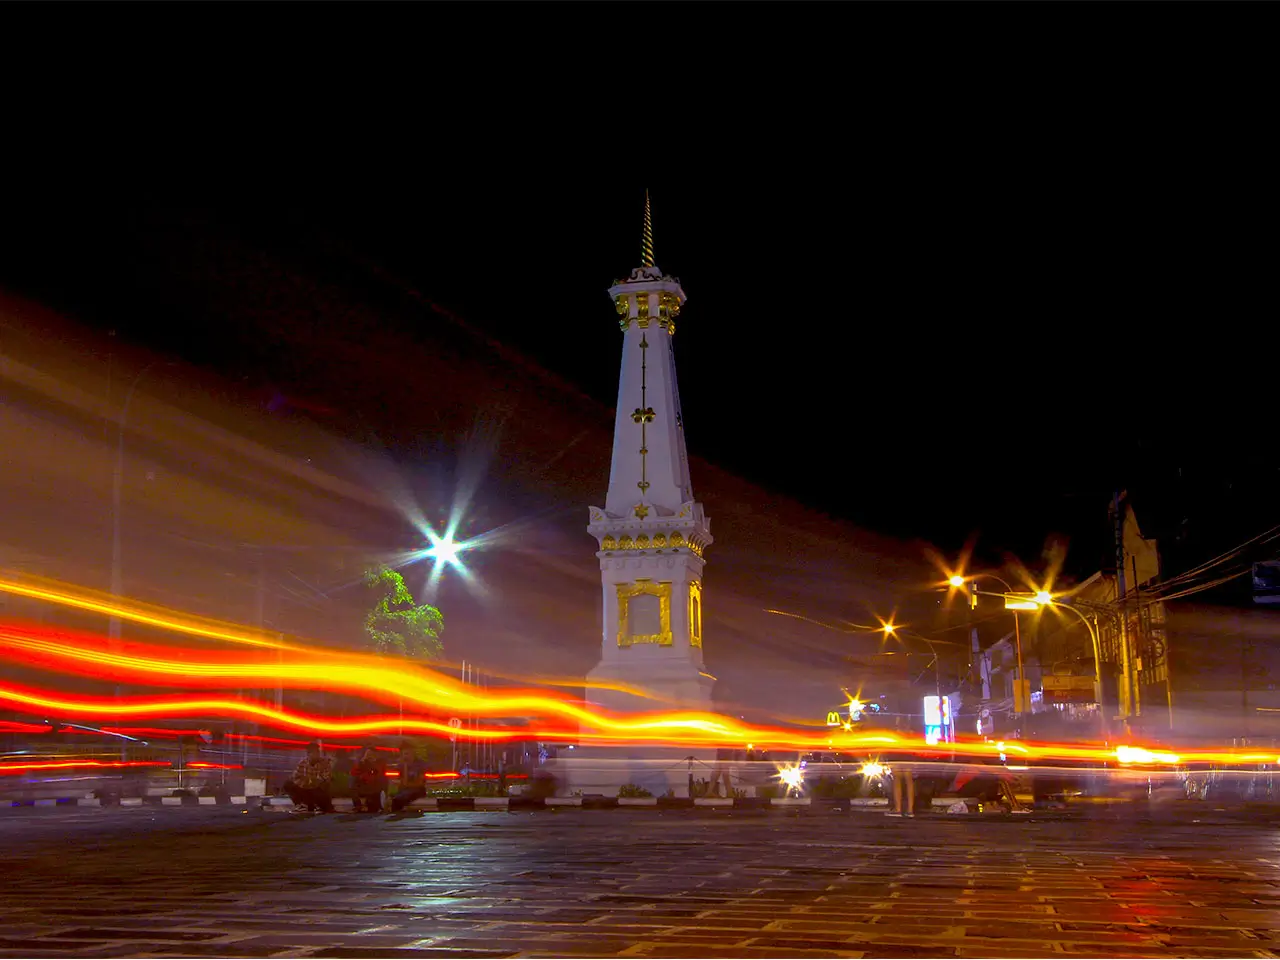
{"x": 962, "y": 583}
{"x": 1042, "y": 599}
{"x": 892, "y": 630}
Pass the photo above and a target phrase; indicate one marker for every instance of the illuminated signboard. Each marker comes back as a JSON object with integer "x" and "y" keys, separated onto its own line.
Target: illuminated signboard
{"x": 937, "y": 719}
{"x": 932, "y": 712}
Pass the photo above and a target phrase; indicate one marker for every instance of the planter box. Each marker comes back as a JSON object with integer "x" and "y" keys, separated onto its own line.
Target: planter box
{"x": 675, "y": 802}
{"x": 637, "y": 801}
{"x": 563, "y": 801}
{"x": 454, "y": 803}
{"x": 713, "y": 801}
{"x": 790, "y": 802}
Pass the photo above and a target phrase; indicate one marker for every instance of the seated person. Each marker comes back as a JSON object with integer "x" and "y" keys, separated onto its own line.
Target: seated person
{"x": 312, "y": 781}
{"x": 368, "y": 782}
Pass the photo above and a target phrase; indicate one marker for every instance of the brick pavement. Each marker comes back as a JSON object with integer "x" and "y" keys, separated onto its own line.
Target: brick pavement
{"x": 705, "y": 882}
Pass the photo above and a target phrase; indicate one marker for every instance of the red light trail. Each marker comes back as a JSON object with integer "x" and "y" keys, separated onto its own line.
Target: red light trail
{"x": 383, "y": 680}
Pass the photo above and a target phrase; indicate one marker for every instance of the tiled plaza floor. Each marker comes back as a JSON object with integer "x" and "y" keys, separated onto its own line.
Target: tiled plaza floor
{"x": 636, "y": 883}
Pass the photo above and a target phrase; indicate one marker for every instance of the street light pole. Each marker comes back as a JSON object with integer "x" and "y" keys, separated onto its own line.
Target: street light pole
{"x": 1092, "y": 626}
{"x": 1020, "y": 694}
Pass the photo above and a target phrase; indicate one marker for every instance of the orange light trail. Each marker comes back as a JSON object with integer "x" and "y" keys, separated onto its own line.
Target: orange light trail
{"x": 12, "y": 769}
{"x": 672, "y": 730}
{"x": 50, "y": 591}
{"x": 368, "y": 676}
{"x": 379, "y": 679}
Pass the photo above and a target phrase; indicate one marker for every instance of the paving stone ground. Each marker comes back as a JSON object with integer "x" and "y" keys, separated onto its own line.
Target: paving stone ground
{"x": 216, "y": 882}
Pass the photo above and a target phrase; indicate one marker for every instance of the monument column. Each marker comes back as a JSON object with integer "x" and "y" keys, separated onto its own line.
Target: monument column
{"x": 651, "y": 532}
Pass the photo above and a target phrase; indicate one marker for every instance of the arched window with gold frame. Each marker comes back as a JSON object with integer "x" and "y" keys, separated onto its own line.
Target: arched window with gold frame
{"x": 695, "y": 613}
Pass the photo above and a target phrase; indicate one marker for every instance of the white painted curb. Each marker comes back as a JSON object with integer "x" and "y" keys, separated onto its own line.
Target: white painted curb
{"x": 206, "y": 801}
{"x": 130, "y": 801}
{"x": 869, "y": 802}
{"x": 235, "y": 800}
{"x": 790, "y": 801}
{"x": 171, "y": 801}
{"x": 637, "y": 801}
{"x": 563, "y": 801}
{"x": 713, "y": 801}
{"x": 429, "y": 803}
{"x": 89, "y": 802}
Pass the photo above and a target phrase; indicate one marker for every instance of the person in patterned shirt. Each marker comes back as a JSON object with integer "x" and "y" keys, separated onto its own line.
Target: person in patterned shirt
{"x": 312, "y": 781}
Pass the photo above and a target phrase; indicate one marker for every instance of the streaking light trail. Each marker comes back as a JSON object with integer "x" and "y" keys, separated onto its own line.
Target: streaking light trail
{"x": 545, "y": 717}
{"x": 163, "y": 618}
{"x": 673, "y": 730}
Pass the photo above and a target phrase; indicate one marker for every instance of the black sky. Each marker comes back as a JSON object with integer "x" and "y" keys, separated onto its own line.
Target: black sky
{"x": 977, "y": 330}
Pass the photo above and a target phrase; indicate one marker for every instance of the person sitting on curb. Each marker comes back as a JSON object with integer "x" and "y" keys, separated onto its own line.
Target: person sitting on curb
{"x": 412, "y": 779}
{"x": 368, "y": 782}
{"x": 312, "y": 781}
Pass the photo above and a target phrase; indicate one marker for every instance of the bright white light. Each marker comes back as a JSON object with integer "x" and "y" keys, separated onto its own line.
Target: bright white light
{"x": 444, "y": 549}
{"x": 956, "y": 581}
{"x": 873, "y": 769}
{"x": 793, "y": 777}
{"x": 1042, "y": 598}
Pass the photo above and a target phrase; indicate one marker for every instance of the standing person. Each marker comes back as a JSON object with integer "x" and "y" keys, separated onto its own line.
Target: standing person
{"x": 412, "y": 779}
{"x": 903, "y": 779}
{"x": 720, "y": 774}
{"x": 312, "y": 781}
{"x": 368, "y": 782}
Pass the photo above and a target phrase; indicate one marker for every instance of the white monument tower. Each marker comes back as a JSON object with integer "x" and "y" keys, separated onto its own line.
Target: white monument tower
{"x": 651, "y": 531}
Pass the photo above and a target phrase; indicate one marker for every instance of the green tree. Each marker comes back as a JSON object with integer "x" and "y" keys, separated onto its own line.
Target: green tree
{"x": 397, "y": 624}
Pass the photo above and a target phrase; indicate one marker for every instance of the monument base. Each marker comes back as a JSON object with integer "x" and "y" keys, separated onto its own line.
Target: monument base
{"x": 658, "y": 771}
{"x": 673, "y": 684}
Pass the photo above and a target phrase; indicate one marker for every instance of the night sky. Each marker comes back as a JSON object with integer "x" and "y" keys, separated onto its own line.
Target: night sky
{"x": 978, "y": 350}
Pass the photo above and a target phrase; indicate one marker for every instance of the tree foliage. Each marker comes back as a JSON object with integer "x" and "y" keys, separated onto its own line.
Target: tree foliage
{"x": 397, "y": 624}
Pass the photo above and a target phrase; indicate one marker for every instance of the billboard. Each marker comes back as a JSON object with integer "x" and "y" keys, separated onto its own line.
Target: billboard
{"x": 938, "y": 724}
{"x": 1266, "y": 582}
{"x": 1067, "y": 689}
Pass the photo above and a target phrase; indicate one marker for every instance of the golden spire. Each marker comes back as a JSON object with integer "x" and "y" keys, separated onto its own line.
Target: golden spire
{"x": 646, "y": 241}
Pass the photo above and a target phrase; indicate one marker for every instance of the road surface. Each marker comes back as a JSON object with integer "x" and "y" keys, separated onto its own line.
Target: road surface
{"x": 217, "y": 881}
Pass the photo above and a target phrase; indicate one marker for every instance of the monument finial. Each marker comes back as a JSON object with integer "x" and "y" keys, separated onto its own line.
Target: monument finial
{"x": 646, "y": 240}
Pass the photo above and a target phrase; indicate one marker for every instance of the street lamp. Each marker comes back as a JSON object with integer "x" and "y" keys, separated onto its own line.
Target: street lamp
{"x": 1012, "y": 602}
{"x": 890, "y": 629}
{"x": 1041, "y": 599}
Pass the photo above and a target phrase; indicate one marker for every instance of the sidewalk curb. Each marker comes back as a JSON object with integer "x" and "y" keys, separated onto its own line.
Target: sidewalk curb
{"x": 592, "y": 802}
{"x": 223, "y": 801}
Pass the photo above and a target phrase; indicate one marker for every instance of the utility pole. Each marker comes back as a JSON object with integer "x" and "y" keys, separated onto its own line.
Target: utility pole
{"x": 1126, "y": 691}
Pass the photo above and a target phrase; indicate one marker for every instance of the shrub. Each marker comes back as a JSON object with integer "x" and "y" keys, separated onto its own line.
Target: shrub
{"x": 700, "y": 788}
{"x": 631, "y": 790}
